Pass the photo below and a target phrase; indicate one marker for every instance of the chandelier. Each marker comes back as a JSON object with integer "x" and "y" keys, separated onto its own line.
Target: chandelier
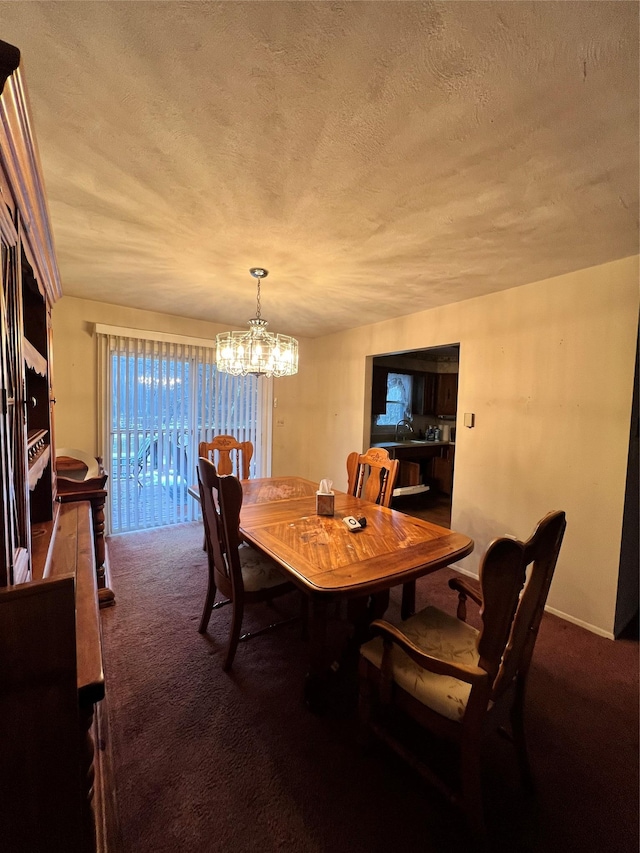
{"x": 256, "y": 351}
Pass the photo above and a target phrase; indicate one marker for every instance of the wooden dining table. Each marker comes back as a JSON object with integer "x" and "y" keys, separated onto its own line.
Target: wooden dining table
{"x": 329, "y": 562}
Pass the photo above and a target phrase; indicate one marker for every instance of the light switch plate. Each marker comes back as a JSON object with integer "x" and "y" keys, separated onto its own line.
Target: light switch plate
{"x": 469, "y": 419}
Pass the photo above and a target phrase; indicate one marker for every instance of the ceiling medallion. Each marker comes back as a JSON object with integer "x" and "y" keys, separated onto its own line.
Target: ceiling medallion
{"x": 256, "y": 351}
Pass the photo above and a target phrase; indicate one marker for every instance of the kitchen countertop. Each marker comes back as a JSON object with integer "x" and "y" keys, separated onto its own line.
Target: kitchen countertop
{"x": 415, "y": 443}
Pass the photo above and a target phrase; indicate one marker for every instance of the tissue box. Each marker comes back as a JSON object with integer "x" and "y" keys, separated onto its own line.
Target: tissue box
{"x": 324, "y": 503}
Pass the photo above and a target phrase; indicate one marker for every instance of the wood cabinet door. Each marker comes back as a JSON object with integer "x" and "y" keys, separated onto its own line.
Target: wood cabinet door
{"x": 8, "y": 533}
{"x": 443, "y": 472}
{"x": 423, "y": 397}
{"x": 379, "y": 390}
{"x": 38, "y": 395}
{"x": 14, "y": 523}
{"x": 447, "y": 394}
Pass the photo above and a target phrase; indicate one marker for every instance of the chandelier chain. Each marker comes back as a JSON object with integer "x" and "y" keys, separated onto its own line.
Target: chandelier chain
{"x": 258, "y": 317}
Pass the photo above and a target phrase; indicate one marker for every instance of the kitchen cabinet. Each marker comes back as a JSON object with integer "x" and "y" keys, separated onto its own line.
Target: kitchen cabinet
{"x": 409, "y": 474}
{"x": 424, "y": 390}
{"x": 442, "y": 470}
{"x": 446, "y": 395}
{"x": 416, "y": 459}
{"x": 411, "y": 451}
{"x": 379, "y": 390}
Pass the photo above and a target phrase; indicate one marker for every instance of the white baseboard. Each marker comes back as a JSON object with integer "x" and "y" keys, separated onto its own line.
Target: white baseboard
{"x": 580, "y": 622}
{"x": 463, "y": 571}
{"x": 586, "y": 625}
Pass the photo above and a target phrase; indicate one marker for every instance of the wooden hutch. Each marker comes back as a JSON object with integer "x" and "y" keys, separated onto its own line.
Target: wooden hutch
{"x": 55, "y": 794}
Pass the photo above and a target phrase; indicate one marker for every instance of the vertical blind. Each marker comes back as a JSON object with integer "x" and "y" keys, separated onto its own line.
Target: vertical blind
{"x": 160, "y": 399}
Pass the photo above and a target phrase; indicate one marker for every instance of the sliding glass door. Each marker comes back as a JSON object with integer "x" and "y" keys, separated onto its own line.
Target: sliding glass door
{"x": 163, "y": 398}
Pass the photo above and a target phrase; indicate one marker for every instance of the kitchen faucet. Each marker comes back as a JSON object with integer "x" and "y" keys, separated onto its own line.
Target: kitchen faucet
{"x": 405, "y": 422}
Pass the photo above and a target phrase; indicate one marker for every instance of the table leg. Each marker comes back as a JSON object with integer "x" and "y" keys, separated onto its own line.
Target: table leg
{"x": 408, "y": 606}
{"x": 362, "y": 611}
{"x": 315, "y": 687}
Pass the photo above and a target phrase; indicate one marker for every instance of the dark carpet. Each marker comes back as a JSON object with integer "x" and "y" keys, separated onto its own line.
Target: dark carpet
{"x": 208, "y": 761}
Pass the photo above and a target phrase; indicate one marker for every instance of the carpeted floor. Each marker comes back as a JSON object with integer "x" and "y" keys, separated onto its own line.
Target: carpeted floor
{"x": 206, "y": 761}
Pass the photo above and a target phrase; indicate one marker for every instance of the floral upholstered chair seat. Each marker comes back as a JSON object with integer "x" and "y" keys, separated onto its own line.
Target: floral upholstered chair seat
{"x": 258, "y": 570}
{"x": 444, "y": 637}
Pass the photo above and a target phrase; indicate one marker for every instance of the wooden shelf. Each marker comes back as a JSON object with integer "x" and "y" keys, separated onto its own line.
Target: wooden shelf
{"x": 34, "y": 436}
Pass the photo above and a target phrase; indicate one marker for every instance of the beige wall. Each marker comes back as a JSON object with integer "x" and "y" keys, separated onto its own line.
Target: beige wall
{"x": 547, "y": 369}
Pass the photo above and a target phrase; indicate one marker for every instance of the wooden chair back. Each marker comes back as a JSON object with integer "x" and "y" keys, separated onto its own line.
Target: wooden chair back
{"x": 372, "y": 475}
{"x": 515, "y": 578}
{"x": 220, "y": 567}
{"x": 229, "y": 455}
{"x": 230, "y": 504}
{"x": 221, "y": 498}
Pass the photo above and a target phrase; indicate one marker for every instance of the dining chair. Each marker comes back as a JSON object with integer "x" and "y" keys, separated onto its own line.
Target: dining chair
{"x": 163, "y": 463}
{"x": 229, "y": 455}
{"x": 372, "y": 475}
{"x": 442, "y": 673}
{"x": 241, "y": 573}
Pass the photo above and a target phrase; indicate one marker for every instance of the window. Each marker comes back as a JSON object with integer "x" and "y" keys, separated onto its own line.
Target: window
{"x": 161, "y": 399}
{"x": 398, "y": 402}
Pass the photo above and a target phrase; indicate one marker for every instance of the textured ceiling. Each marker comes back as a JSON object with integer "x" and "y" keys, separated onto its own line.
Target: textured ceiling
{"x": 378, "y": 158}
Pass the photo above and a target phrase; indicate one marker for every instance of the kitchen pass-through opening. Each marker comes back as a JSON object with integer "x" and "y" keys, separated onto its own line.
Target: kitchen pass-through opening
{"x": 414, "y": 404}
